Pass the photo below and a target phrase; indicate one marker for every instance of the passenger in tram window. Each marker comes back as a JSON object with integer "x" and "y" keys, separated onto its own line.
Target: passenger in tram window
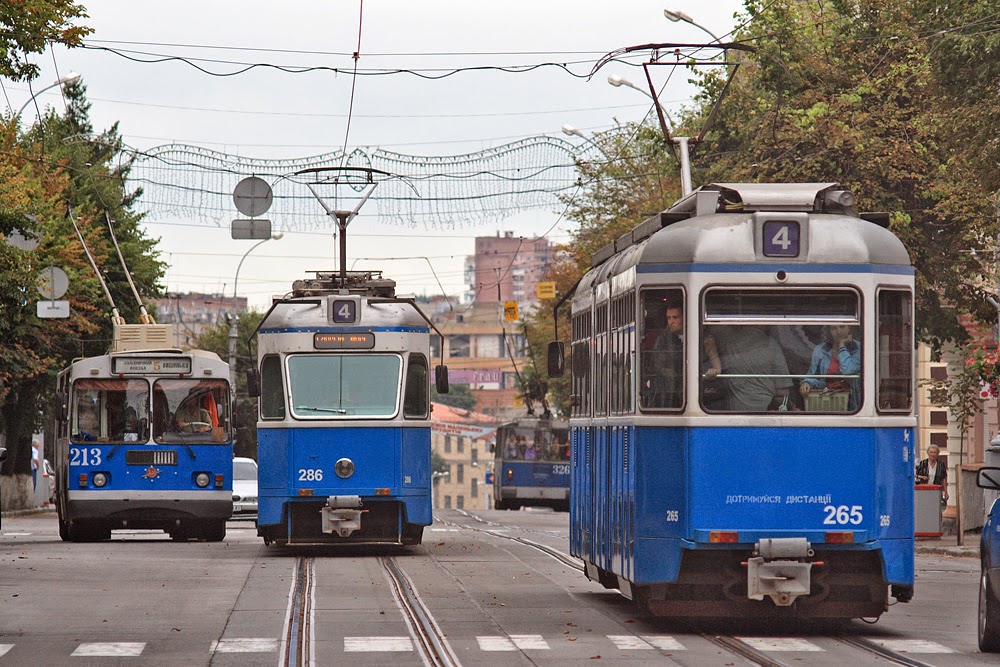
{"x": 510, "y": 450}
{"x": 666, "y": 384}
{"x": 840, "y": 354}
{"x": 533, "y": 452}
{"x": 750, "y": 352}
{"x": 713, "y": 389}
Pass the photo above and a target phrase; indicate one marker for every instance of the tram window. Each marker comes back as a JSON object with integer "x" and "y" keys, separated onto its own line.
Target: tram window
{"x": 272, "y": 393}
{"x": 767, "y": 350}
{"x": 661, "y": 349}
{"x": 110, "y": 410}
{"x": 191, "y": 410}
{"x": 334, "y": 386}
{"x": 415, "y": 397}
{"x": 894, "y": 340}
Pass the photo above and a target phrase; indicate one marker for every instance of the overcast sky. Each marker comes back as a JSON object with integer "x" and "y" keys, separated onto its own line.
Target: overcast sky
{"x": 268, "y": 113}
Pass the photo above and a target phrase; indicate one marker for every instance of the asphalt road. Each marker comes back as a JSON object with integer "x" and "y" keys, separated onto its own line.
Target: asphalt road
{"x": 485, "y": 588}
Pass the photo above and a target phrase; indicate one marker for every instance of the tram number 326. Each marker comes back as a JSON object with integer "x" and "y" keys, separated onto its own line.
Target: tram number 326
{"x": 842, "y": 515}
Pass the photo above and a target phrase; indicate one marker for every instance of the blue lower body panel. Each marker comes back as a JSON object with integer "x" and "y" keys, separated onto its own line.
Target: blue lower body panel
{"x": 672, "y": 515}
{"x": 390, "y": 476}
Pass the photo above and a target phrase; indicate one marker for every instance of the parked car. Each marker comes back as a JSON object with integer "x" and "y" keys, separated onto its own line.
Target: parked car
{"x": 989, "y": 564}
{"x": 49, "y": 475}
{"x": 244, "y": 486}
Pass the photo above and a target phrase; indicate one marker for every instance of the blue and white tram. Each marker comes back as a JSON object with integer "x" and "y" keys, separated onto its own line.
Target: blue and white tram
{"x": 710, "y": 480}
{"x": 144, "y": 440}
{"x": 531, "y": 464}
{"x": 344, "y": 431}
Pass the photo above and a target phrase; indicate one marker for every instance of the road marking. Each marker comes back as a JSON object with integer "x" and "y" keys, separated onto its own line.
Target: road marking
{"x": 4, "y": 648}
{"x": 375, "y": 644}
{"x": 779, "y": 644}
{"x": 17, "y": 534}
{"x": 245, "y": 646}
{"x": 109, "y": 649}
{"x": 912, "y": 646}
{"x": 444, "y": 530}
{"x": 631, "y": 642}
{"x": 512, "y": 643}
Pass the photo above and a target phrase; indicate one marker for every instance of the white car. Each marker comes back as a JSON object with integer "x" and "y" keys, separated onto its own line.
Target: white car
{"x": 244, "y": 486}
{"x": 49, "y": 475}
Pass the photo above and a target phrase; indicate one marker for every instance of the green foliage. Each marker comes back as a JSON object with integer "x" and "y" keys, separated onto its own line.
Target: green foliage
{"x": 438, "y": 464}
{"x": 216, "y": 339}
{"x": 42, "y": 177}
{"x": 458, "y": 396}
{"x": 28, "y": 26}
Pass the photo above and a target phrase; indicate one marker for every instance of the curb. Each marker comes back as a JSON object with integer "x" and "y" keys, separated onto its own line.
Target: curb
{"x": 35, "y": 510}
{"x": 961, "y": 552}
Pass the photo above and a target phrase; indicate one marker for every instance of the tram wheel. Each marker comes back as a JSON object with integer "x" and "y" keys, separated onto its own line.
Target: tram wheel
{"x": 989, "y": 616}
{"x": 214, "y": 531}
{"x": 412, "y": 535}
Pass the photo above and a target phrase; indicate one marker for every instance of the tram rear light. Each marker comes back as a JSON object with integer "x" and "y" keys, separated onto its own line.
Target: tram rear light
{"x": 723, "y": 537}
{"x": 100, "y": 479}
{"x": 219, "y": 480}
{"x": 381, "y": 492}
{"x": 202, "y": 479}
{"x": 840, "y": 538}
{"x": 83, "y": 480}
{"x": 510, "y": 475}
{"x": 305, "y": 492}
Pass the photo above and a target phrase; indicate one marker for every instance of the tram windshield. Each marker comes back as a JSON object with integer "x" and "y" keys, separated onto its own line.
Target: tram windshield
{"x": 332, "y": 386}
{"x": 763, "y": 350}
{"x": 110, "y": 410}
{"x": 532, "y": 443}
{"x": 191, "y": 411}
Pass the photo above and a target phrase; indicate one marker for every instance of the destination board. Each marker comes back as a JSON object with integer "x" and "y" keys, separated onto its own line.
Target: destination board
{"x": 150, "y": 365}
{"x": 343, "y": 341}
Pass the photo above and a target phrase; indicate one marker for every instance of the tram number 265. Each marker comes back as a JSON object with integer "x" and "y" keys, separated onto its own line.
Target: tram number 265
{"x": 842, "y": 515}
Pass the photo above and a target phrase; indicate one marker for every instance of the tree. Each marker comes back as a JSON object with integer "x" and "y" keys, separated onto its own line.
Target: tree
{"x": 216, "y": 339}
{"x": 29, "y": 26}
{"x": 458, "y": 396}
{"x": 52, "y": 189}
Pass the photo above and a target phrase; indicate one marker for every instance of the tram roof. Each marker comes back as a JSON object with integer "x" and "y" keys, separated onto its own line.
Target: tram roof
{"x": 315, "y": 312}
{"x": 715, "y": 224}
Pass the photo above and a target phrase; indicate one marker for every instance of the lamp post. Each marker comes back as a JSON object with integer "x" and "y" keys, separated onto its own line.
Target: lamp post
{"x": 676, "y": 15}
{"x": 72, "y": 77}
{"x": 233, "y": 319}
{"x": 680, "y": 142}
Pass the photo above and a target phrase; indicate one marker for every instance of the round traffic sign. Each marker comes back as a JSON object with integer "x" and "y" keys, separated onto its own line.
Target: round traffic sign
{"x": 53, "y": 282}
{"x": 252, "y": 196}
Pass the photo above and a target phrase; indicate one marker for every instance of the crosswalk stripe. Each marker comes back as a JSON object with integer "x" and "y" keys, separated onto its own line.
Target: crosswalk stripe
{"x": 512, "y": 643}
{"x": 247, "y": 645}
{"x": 663, "y": 642}
{"x": 912, "y": 646}
{"x": 779, "y": 644}
{"x": 4, "y": 648}
{"x": 109, "y": 649}
{"x": 376, "y": 644}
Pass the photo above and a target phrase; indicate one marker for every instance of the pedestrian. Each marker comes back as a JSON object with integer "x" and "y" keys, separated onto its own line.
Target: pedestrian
{"x": 36, "y": 459}
{"x": 932, "y": 471}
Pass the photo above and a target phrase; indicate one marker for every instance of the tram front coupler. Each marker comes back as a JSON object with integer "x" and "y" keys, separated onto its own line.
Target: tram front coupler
{"x": 342, "y": 515}
{"x": 778, "y": 570}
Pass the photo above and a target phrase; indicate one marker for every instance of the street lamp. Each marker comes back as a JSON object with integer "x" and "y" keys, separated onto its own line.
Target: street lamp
{"x": 233, "y": 317}
{"x": 72, "y": 77}
{"x": 676, "y": 15}
{"x": 680, "y": 142}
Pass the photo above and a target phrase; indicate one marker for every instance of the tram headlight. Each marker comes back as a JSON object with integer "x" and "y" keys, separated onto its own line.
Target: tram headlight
{"x": 202, "y": 479}
{"x": 344, "y": 468}
{"x": 100, "y": 479}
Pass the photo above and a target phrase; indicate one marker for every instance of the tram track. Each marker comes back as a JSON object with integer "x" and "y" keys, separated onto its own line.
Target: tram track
{"x": 742, "y": 649}
{"x": 428, "y": 637}
{"x": 882, "y": 652}
{"x": 297, "y": 638}
{"x": 560, "y": 556}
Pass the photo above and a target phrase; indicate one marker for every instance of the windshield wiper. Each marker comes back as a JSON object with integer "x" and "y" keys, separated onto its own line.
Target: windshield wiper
{"x": 336, "y": 411}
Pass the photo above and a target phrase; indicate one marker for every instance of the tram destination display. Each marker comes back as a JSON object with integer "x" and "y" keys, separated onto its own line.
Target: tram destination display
{"x": 150, "y": 365}
{"x": 344, "y": 341}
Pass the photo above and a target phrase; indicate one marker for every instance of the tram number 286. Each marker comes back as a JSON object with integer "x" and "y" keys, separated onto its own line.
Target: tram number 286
{"x": 842, "y": 515}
